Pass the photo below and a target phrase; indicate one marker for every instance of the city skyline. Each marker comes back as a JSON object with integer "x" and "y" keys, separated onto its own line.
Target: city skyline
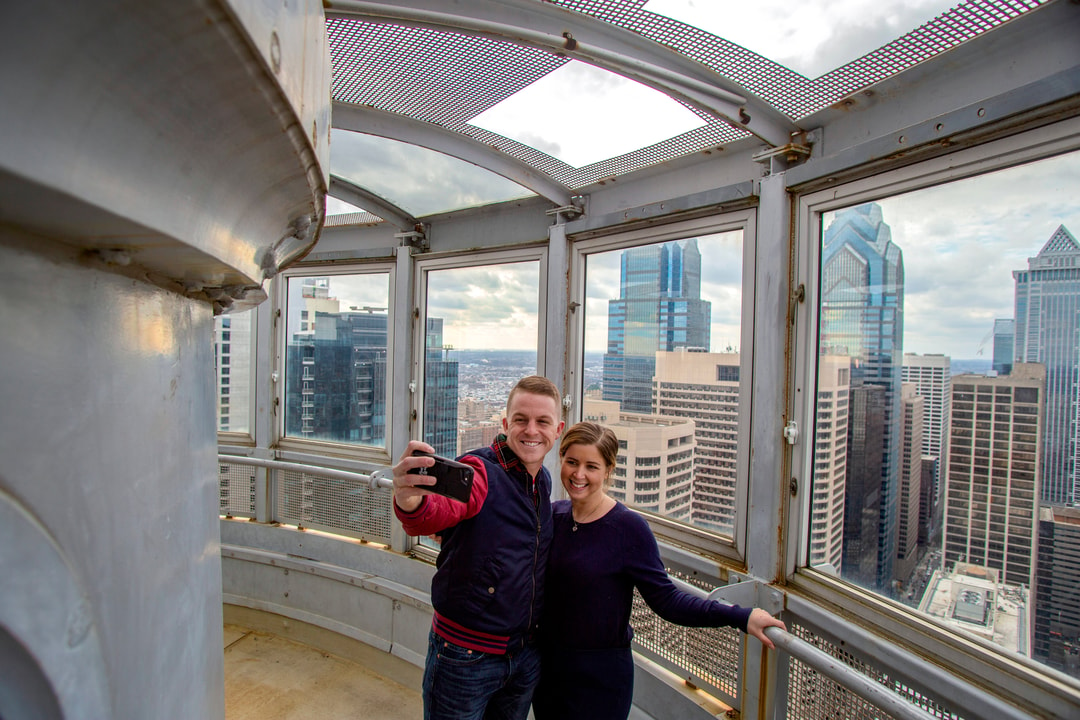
{"x": 947, "y": 232}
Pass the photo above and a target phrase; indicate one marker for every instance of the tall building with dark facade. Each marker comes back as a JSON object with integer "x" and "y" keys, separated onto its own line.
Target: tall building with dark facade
{"x": 659, "y": 309}
{"x": 335, "y": 378}
{"x": 440, "y": 392}
{"x": 862, "y": 316}
{"x": 862, "y": 491}
{"x": 1048, "y": 332}
{"x": 335, "y": 372}
{"x": 1057, "y": 594}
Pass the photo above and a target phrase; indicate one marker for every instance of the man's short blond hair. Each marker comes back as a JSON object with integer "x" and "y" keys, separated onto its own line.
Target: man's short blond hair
{"x": 536, "y": 385}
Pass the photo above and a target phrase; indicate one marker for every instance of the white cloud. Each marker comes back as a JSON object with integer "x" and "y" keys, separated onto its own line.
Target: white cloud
{"x": 582, "y": 114}
{"x": 810, "y": 37}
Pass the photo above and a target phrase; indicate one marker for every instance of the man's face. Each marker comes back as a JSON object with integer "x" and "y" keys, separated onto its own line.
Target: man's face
{"x": 532, "y": 426}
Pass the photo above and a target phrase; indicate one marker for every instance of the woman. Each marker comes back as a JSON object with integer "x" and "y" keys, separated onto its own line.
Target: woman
{"x": 600, "y": 552}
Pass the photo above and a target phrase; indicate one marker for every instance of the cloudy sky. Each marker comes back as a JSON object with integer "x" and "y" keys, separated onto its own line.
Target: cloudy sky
{"x": 960, "y": 242}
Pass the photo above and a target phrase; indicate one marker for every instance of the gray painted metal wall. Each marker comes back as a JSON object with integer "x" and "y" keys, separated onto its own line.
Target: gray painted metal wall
{"x": 159, "y": 161}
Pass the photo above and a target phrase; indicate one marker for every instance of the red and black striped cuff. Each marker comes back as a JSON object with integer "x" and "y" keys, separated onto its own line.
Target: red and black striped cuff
{"x": 467, "y": 638}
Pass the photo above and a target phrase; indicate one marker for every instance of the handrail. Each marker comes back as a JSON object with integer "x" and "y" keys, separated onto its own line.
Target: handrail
{"x": 866, "y": 688}
{"x": 381, "y": 478}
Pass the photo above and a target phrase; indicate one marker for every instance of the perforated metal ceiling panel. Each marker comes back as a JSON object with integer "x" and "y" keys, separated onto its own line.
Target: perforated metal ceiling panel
{"x": 448, "y": 78}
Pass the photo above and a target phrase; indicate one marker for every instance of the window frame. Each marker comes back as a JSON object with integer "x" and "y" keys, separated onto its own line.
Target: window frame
{"x": 302, "y": 448}
{"x": 708, "y": 543}
{"x": 455, "y": 261}
{"x": 232, "y": 437}
{"x": 978, "y": 660}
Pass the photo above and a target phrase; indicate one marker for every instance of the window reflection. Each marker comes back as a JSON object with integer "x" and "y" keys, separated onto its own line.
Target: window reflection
{"x": 662, "y": 369}
{"x": 945, "y": 448}
{"x": 335, "y": 358}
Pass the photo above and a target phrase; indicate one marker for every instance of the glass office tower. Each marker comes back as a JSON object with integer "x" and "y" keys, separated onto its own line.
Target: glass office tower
{"x": 659, "y": 308}
{"x": 862, "y": 316}
{"x": 1048, "y": 332}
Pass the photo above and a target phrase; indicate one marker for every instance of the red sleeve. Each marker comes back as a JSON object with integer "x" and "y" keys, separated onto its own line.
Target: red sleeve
{"x": 436, "y": 512}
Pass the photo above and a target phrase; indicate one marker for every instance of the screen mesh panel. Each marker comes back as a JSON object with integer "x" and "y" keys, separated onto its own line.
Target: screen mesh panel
{"x": 237, "y": 488}
{"x": 340, "y": 506}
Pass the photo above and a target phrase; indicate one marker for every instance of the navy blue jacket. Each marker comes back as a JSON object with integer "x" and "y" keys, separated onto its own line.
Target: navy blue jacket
{"x": 488, "y": 589}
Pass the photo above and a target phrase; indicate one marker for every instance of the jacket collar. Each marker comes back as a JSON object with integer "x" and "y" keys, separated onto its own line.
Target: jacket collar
{"x": 506, "y": 457}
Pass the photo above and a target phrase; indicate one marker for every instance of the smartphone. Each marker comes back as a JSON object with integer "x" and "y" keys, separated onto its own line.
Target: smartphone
{"x": 452, "y": 478}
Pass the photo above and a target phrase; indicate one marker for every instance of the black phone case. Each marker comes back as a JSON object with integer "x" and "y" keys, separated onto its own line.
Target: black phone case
{"x": 452, "y": 478}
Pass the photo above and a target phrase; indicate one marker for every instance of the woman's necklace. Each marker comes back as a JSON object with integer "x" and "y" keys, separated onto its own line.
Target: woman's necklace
{"x": 588, "y": 516}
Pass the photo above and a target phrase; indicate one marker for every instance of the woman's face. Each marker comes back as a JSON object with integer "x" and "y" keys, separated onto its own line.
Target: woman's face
{"x": 583, "y": 472}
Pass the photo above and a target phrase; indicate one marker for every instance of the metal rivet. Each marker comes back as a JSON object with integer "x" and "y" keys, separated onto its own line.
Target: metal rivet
{"x": 275, "y": 51}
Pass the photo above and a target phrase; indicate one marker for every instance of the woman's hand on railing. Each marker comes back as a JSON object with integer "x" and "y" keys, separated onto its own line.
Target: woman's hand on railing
{"x": 759, "y": 620}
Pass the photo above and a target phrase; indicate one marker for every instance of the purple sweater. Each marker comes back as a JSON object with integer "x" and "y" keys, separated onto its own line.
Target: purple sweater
{"x": 591, "y": 577}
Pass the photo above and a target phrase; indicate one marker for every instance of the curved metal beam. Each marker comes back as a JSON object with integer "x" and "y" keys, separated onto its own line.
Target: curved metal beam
{"x": 566, "y": 33}
{"x": 352, "y": 193}
{"x": 434, "y": 137}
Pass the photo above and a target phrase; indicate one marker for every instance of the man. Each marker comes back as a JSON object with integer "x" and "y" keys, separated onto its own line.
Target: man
{"x": 488, "y": 589}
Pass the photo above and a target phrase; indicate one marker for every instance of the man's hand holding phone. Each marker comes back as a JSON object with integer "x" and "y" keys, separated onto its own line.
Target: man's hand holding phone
{"x": 420, "y": 472}
{"x": 410, "y": 489}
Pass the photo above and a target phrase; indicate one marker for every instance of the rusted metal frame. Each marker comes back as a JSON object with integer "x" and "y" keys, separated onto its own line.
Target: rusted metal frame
{"x": 592, "y": 41}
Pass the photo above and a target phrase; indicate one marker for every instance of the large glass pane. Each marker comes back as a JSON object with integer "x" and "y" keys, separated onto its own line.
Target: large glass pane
{"x": 418, "y": 180}
{"x": 947, "y": 439}
{"x": 233, "y": 339}
{"x": 335, "y": 358}
{"x": 481, "y": 339}
{"x": 663, "y": 370}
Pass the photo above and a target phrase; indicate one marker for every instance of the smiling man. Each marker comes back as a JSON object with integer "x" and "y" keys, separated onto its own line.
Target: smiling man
{"x": 488, "y": 590}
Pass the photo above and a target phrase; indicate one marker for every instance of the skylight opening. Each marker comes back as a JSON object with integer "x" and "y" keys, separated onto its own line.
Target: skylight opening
{"x": 811, "y": 37}
{"x": 582, "y": 114}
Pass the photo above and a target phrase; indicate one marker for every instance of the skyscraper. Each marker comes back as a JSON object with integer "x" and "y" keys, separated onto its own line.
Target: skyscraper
{"x": 1004, "y": 345}
{"x": 335, "y": 378}
{"x": 932, "y": 376}
{"x": 862, "y": 316}
{"x": 1057, "y": 603}
{"x": 992, "y": 477}
{"x": 911, "y": 470}
{"x": 704, "y": 387}
{"x": 1048, "y": 332}
{"x": 862, "y": 487}
{"x": 440, "y": 392}
{"x": 830, "y": 461}
{"x": 659, "y": 309}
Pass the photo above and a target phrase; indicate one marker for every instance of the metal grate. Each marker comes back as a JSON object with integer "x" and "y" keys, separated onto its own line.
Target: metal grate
{"x": 446, "y": 78}
{"x": 339, "y": 506}
{"x": 812, "y": 696}
{"x": 237, "y": 488}
{"x": 709, "y": 656}
{"x": 789, "y": 92}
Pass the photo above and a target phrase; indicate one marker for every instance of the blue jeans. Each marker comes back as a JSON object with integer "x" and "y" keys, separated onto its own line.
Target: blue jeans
{"x": 463, "y": 684}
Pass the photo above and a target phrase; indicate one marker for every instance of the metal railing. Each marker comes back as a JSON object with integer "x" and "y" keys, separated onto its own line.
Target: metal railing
{"x": 865, "y": 687}
{"x": 308, "y": 496}
{"x": 379, "y": 479}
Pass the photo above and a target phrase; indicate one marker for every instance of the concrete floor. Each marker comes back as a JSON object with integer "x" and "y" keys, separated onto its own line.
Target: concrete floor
{"x": 279, "y": 669}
